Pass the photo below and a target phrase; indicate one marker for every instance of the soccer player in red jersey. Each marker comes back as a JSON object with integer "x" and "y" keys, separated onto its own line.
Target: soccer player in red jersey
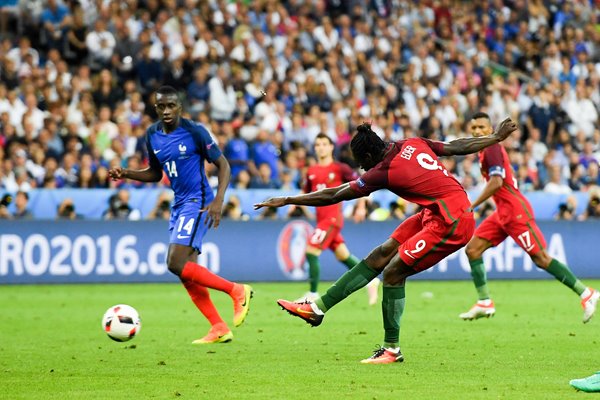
{"x": 513, "y": 217}
{"x": 409, "y": 168}
{"x": 328, "y": 173}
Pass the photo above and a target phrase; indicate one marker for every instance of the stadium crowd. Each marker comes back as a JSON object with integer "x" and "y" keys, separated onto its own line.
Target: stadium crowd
{"x": 77, "y": 78}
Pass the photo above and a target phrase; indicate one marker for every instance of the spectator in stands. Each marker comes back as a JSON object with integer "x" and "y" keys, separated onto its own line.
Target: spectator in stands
{"x": 100, "y": 44}
{"x": 236, "y": 151}
{"x": 264, "y": 179}
{"x": 55, "y": 20}
{"x": 555, "y": 184}
{"x": 222, "y": 97}
{"x": 21, "y": 206}
{"x": 76, "y": 48}
{"x": 198, "y": 91}
{"x": 243, "y": 180}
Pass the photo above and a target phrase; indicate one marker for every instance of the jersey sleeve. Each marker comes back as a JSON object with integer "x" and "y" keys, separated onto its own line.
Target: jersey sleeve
{"x": 152, "y": 159}
{"x": 370, "y": 181}
{"x": 435, "y": 146}
{"x": 493, "y": 161}
{"x": 348, "y": 174}
{"x": 205, "y": 144}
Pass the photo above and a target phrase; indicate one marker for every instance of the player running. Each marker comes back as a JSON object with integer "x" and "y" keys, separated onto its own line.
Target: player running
{"x": 513, "y": 217}
{"x": 409, "y": 168}
{"x": 327, "y": 235}
{"x": 179, "y": 147}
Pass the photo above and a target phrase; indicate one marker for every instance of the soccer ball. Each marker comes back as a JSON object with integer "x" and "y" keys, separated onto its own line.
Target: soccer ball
{"x": 121, "y": 322}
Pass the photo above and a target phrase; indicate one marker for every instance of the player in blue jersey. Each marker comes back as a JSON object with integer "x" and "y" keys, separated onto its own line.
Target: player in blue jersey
{"x": 179, "y": 147}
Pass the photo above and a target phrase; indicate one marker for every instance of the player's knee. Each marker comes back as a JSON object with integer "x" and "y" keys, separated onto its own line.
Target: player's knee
{"x": 392, "y": 277}
{"x": 473, "y": 251}
{"x": 175, "y": 265}
{"x": 541, "y": 259}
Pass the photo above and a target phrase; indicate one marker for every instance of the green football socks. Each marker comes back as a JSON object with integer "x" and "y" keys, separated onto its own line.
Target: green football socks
{"x": 351, "y": 261}
{"x": 314, "y": 271}
{"x": 479, "y": 278}
{"x": 392, "y": 308}
{"x": 348, "y": 283}
{"x": 562, "y": 273}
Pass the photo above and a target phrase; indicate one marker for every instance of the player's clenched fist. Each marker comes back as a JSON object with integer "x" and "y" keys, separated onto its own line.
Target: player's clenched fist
{"x": 505, "y": 128}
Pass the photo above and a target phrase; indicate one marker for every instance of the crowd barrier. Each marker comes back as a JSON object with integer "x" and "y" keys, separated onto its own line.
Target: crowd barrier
{"x": 122, "y": 251}
{"x": 92, "y": 203}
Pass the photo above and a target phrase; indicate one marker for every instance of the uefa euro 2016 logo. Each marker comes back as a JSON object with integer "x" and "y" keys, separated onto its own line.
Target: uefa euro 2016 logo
{"x": 291, "y": 248}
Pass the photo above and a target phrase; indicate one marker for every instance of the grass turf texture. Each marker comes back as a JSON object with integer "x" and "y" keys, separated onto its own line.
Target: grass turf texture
{"x": 52, "y": 346}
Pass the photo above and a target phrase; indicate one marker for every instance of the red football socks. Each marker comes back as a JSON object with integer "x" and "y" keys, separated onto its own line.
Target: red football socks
{"x": 202, "y": 276}
{"x": 201, "y": 298}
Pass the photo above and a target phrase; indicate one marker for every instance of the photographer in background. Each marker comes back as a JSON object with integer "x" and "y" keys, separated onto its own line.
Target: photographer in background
{"x": 119, "y": 208}
{"x": 4, "y": 203}
{"x": 593, "y": 208}
{"x": 66, "y": 210}
{"x": 162, "y": 209}
{"x": 567, "y": 210}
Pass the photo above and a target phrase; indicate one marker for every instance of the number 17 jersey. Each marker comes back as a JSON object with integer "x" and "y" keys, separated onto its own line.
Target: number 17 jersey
{"x": 510, "y": 202}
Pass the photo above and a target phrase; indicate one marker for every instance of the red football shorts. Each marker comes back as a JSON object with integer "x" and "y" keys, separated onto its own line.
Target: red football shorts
{"x": 426, "y": 239}
{"x": 327, "y": 235}
{"x": 525, "y": 233}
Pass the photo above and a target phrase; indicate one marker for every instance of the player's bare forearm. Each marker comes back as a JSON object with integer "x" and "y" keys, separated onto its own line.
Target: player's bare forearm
{"x": 224, "y": 176}
{"x": 144, "y": 175}
{"x": 493, "y": 185}
{"x": 324, "y": 197}
{"x": 464, "y": 146}
{"x": 319, "y": 198}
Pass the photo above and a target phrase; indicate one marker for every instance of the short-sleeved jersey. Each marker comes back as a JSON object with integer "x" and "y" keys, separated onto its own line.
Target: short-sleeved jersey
{"x": 410, "y": 169}
{"x": 510, "y": 202}
{"x": 326, "y": 176}
{"x": 181, "y": 154}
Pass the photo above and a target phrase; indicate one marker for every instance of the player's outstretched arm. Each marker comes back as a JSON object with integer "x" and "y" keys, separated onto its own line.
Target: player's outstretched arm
{"x": 323, "y": 197}
{"x": 148, "y": 174}
{"x": 473, "y": 145}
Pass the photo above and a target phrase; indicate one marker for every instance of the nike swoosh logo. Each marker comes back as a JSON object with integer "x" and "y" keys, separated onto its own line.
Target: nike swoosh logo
{"x": 157, "y": 151}
{"x": 408, "y": 254}
{"x": 182, "y": 237}
{"x": 301, "y": 311}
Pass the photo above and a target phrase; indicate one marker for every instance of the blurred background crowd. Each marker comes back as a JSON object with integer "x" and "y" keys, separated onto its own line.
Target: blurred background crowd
{"x": 266, "y": 76}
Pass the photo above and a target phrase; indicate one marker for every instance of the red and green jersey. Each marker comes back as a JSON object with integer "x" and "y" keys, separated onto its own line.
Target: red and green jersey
{"x": 326, "y": 176}
{"x": 510, "y": 202}
{"x": 411, "y": 169}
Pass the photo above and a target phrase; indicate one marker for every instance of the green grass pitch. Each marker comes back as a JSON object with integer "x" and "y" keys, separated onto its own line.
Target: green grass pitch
{"x": 52, "y": 346}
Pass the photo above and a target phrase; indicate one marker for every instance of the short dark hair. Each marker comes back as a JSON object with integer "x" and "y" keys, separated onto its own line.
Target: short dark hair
{"x": 366, "y": 141}
{"x": 324, "y": 136}
{"x": 481, "y": 114}
{"x": 168, "y": 91}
